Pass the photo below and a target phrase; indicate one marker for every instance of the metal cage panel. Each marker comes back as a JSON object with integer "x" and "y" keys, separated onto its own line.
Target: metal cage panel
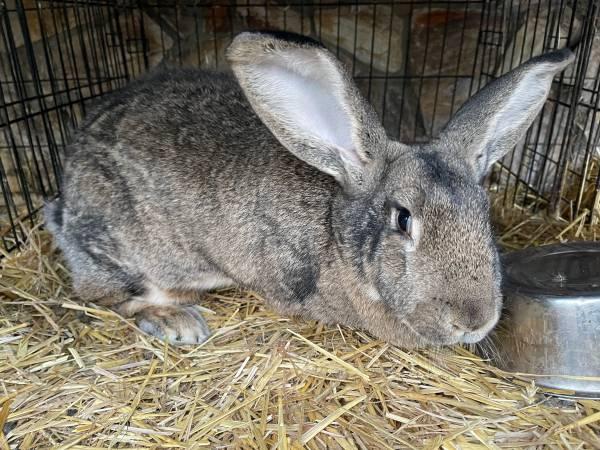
{"x": 416, "y": 61}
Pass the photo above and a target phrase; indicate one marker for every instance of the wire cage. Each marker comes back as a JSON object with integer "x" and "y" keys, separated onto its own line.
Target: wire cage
{"x": 416, "y": 61}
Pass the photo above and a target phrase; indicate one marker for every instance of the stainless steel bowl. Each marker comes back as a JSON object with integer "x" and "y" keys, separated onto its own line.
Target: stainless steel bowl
{"x": 552, "y": 323}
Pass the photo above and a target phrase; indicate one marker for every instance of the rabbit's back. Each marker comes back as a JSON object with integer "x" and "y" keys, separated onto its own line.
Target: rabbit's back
{"x": 175, "y": 114}
{"x": 165, "y": 175}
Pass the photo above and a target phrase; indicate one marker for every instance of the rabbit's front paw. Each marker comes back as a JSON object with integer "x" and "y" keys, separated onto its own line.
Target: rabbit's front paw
{"x": 178, "y": 325}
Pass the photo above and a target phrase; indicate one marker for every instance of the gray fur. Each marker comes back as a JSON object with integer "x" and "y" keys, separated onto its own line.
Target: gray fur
{"x": 471, "y": 132}
{"x": 175, "y": 184}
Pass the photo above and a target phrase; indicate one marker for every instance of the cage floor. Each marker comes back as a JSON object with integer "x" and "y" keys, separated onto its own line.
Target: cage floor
{"x": 81, "y": 377}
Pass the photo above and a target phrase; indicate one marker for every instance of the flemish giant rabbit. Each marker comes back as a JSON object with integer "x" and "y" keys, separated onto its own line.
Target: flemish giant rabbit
{"x": 280, "y": 178}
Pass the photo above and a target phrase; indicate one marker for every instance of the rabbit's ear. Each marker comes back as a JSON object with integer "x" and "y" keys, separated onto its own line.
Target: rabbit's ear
{"x": 308, "y": 101}
{"x": 493, "y": 121}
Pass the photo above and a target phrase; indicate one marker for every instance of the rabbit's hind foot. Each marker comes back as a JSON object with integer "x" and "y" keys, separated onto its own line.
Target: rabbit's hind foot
{"x": 178, "y": 325}
{"x": 163, "y": 313}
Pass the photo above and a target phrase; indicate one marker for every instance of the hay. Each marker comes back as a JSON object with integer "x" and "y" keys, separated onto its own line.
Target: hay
{"x": 81, "y": 377}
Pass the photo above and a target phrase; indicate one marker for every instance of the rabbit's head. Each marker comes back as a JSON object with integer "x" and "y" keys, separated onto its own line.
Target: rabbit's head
{"x": 410, "y": 222}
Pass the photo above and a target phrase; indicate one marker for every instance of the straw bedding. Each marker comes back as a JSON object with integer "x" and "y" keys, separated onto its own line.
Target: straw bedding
{"x": 74, "y": 376}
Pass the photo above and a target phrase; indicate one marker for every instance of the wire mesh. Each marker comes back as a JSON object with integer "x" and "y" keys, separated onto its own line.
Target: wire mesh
{"x": 416, "y": 61}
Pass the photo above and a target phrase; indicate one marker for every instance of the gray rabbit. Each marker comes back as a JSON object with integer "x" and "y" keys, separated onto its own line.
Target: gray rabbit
{"x": 279, "y": 178}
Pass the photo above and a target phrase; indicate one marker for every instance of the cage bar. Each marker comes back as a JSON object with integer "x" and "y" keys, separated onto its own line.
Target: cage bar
{"x": 417, "y": 62}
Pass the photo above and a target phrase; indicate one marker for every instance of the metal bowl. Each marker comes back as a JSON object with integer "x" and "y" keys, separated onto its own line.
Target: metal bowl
{"x": 552, "y": 323}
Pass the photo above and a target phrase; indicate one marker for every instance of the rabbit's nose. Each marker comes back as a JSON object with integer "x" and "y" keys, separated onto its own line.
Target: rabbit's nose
{"x": 471, "y": 317}
{"x": 473, "y": 322}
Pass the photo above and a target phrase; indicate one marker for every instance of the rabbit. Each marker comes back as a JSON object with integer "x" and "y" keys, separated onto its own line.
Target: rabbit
{"x": 278, "y": 177}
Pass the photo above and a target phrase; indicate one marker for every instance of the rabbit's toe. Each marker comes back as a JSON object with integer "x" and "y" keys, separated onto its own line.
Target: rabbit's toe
{"x": 178, "y": 325}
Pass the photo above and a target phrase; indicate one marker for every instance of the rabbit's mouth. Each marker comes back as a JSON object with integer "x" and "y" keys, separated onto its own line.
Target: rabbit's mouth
{"x": 439, "y": 337}
{"x": 473, "y": 337}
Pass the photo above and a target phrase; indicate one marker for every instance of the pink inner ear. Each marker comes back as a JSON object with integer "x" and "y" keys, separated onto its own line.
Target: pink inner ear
{"x": 308, "y": 103}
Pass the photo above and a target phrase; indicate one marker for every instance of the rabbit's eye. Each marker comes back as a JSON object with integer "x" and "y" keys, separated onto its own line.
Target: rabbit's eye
{"x": 404, "y": 220}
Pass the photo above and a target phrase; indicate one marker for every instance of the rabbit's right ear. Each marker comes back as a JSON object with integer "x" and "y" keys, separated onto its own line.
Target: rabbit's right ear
{"x": 306, "y": 98}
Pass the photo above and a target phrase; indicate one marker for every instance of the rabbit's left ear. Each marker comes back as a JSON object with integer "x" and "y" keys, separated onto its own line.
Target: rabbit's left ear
{"x": 308, "y": 101}
{"x": 493, "y": 121}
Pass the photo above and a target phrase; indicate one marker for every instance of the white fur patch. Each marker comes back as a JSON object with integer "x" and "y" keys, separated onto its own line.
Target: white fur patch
{"x": 415, "y": 235}
{"x": 209, "y": 281}
{"x": 156, "y": 296}
{"x": 372, "y": 294}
